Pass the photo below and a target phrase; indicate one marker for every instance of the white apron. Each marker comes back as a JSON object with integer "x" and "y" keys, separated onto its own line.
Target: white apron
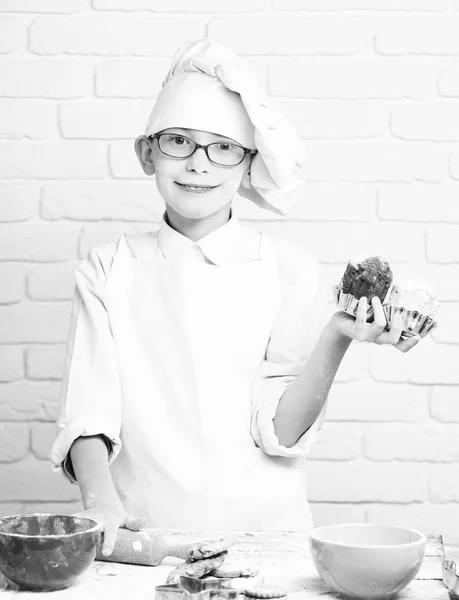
{"x": 191, "y": 463}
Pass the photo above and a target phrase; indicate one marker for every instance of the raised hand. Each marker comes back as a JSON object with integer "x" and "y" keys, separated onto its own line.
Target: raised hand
{"x": 375, "y": 332}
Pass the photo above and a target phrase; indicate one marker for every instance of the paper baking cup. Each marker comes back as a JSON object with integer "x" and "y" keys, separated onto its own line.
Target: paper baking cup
{"x": 348, "y": 302}
{"x": 413, "y": 322}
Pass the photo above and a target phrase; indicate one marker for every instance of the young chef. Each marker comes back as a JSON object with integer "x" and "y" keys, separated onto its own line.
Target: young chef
{"x": 194, "y": 385}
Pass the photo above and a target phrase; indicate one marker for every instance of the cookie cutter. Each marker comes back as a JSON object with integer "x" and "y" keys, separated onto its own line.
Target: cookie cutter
{"x": 193, "y": 588}
{"x": 219, "y": 594}
{"x": 168, "y": 591}
{"x": 195, "y": 585}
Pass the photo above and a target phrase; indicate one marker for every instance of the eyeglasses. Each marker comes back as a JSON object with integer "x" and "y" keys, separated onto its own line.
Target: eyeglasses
{"x": 224, "y": 154}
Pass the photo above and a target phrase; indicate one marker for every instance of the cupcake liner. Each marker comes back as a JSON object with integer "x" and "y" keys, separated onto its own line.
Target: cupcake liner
{"x": 349, "y": 303}
{"x": 413, "y": 322}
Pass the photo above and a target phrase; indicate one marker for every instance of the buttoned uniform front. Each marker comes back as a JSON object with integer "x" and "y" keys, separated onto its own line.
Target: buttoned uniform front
{"x": 179, "y": 353}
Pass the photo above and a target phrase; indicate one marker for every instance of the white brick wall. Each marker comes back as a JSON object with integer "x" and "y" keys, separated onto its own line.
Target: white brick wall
{"x": 373, "y": 88}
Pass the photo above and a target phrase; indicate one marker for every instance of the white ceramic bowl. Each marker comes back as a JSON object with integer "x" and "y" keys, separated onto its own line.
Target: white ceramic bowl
{"x": 367, "y": 561}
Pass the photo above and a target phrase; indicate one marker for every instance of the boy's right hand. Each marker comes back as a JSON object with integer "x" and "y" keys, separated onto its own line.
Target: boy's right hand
{"x": 111, "y": 516}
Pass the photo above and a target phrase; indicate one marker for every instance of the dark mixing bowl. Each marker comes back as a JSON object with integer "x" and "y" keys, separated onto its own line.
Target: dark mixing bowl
{"x": 46, "y": 551}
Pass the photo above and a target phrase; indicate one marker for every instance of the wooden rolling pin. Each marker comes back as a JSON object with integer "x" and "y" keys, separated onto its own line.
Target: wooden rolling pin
{"x": 143, "y": 548}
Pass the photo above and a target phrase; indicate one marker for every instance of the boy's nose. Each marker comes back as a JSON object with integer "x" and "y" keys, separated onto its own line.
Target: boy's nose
{"x": 198, "y": 161}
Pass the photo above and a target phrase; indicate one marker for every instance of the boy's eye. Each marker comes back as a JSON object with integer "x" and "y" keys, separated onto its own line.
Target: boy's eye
{"x": 225, "y": 146}
{"x": 178, "y": 140}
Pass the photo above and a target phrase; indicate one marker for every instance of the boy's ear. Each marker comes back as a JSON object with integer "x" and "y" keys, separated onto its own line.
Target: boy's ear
{"x": 245, "y": 183}
{"x": 144, "y": 150}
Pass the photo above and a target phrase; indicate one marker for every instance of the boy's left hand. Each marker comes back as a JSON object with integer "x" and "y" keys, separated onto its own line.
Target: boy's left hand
{"x": 358, "y": 328}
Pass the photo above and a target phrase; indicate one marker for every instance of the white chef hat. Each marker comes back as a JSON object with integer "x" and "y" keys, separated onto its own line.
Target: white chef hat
{"x": 209, "y": 88}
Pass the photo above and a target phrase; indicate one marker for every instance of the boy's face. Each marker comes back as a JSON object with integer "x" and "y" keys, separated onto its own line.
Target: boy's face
{"x": 193, "y": 187}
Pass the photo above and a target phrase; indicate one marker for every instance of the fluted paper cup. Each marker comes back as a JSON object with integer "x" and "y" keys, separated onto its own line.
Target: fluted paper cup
{"x": 349, "y": 303}
{"x": 413, "y": 322}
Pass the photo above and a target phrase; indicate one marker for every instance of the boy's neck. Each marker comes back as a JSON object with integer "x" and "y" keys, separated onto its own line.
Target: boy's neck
{"x": 195, "y": 229}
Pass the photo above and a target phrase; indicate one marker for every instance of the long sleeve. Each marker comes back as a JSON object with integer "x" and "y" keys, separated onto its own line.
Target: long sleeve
{"x": 294, "y": 334}
{"x": 90, "y": 397}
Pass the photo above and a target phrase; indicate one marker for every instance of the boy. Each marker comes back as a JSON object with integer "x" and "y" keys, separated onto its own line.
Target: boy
{"x": 191, "y": 359}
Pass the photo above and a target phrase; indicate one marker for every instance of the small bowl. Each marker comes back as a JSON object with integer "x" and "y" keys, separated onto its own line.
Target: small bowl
{"x": 365, "y": 561}
{"x": 47, "y": 551}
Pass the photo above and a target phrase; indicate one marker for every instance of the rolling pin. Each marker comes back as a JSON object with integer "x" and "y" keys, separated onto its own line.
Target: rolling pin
{"x": 143, "y": 548}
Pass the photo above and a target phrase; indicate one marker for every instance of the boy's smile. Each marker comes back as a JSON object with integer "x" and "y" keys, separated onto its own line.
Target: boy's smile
{"x": 195, "y": 188}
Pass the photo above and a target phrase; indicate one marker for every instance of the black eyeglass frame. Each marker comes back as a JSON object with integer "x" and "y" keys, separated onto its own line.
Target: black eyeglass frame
{"x": 157, "y": 136}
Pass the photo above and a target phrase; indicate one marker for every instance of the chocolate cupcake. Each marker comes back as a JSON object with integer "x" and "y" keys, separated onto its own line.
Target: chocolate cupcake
{"x": 365, "y": 276}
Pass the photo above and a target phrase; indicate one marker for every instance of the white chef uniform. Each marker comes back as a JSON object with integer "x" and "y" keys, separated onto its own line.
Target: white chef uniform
{"x": 178, "y": 353}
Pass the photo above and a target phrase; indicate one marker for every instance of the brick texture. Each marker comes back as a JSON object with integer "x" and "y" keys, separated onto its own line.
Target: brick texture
{"x": 18, "y": 201}
{"x": 27, "y": 119}
{"x": 294, "y": 35}
{"x": 428, "y": 363}
{"x": 45, "y": 79}
{"x": 27, "y": 400}
{"x": 448, "y": 331}
{"x": 372, "y": 87}
{"x": 367, "y": 400}
{"x": 60, "y": 160}
{"x": 112, "y": 35}
{"x": 424, "y": 202}
{"x": 104, "y": 119}
{"x": 377, "y": 161}
{"x": 39, "y": 242}
{"x": 33, "y": 479}
{"x": 425, "y": 517}
{"x": 336, "y": 242}
{"x": 438, "y": 122}
{"x": 454, "y": 164}
{"x": 42, "y": 438}
{"x": 183, "y": 5}
{"x": 14, "y": 442}
{"x": 442, "y": 488}
{"x": 333, "y": 5}
{"x": 338, "y": 441}
{"x": 428, "y": 441}
{"x": 106, "y": 200}
{"x": 128, "y": 78}
{"x": 433, "y": 35}
{"x": 448, "y": 82}
{"x": 44, "y": 6}
{"x": 368, "y": 482}
{"x": 444, "y": 404}
{"x": 11, "y": 363}
{"x": 335, "y": 120}
{"x": 52, "y": 282}
{"x": 13, "y": 34}
{"x": 352, "y": 78}
{"x": 45, "y": 361}
{"x": 327, "y": 513}
{"x": 27, "y": 322}
{"x": 354, "y": 202}
{"x": 441, "y": 243}
{"x": 15, "y": 290}
{"x": 123, "y": 161}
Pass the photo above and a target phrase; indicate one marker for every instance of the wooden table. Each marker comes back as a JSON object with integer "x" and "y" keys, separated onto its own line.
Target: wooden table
{"x": 283, "y": 558}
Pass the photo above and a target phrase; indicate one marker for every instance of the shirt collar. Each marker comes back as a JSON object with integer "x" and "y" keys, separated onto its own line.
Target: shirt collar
{"x": 216, "y": 246}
